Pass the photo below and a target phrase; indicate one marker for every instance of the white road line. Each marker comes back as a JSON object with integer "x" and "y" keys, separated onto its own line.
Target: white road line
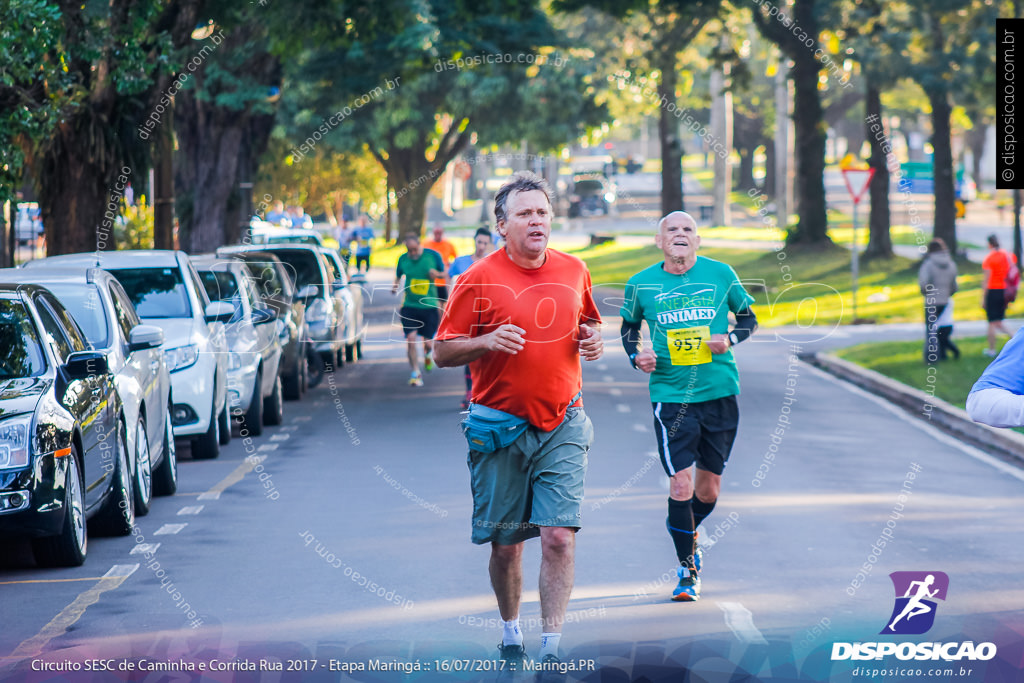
{"x": 288, "y": 428}
{"x": 142, "y": 548}
{"x": 640, "y": 427}
{"x": 280, "y": 437}
{"x": 302, "y": 418}
{"x": 268, "y": 447}
{"x": 169, "y": 529}
{"x": 931, "y": 430}
{"x": 741, "y": 622}
{"x": 608, "y": 378}
{"x": 191, "y": 510}
{"x": 602, "y": 366}
{"x": 209, "y": 495}
{"x": 615, "y": 391}
{"x": 623, "y": 408}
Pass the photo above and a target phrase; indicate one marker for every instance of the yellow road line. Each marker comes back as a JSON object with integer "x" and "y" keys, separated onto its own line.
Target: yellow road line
{"x": 59, "y": 625}
{"x": 238, "y": 474}
{"x": 88, "y": 578}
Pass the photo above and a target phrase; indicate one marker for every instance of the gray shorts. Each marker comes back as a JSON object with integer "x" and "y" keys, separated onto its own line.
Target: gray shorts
{"x": 535, "y": 482}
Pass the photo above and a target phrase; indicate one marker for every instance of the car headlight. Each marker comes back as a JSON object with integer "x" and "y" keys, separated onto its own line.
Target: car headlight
{"x": 317, "y": 311}
{"x": 234, "y": 361}
{"x": 15, "y": 442}
{"x": 182, "y": 357}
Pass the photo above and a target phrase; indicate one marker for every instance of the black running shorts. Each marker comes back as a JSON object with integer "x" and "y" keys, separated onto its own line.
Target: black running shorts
{"x": 701, "y": 433}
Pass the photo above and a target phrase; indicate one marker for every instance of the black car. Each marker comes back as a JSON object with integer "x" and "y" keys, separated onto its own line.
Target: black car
{"x": 591, "y": 194}
{"x": 63, "y": 458}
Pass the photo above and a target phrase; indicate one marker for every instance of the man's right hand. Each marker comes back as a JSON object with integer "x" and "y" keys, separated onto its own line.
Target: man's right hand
{"x": 646, "y": 361}
{"x": 507, "y": 339}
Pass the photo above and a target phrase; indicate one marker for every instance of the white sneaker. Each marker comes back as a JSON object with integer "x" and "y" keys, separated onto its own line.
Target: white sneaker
{"x": 990, "y": 353}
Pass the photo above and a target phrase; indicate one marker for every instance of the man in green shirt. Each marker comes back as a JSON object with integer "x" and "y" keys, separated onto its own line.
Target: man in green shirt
{"x": 420, "y": 311}
{"x": 686, "y": 300}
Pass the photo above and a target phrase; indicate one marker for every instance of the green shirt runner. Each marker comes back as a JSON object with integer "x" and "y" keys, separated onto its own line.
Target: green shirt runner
{"x": 420, "y": 291}
{"x": 683, "y": 311}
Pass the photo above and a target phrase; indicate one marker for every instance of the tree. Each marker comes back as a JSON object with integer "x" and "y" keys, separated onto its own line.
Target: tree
{"x": 797, "y": 36}
{"x": 113, "y": 53}
{"x": 671, "y": 25}
{"x": 416, "y": 81}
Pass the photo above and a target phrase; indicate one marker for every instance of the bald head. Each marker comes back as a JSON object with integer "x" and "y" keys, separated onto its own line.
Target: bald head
{"x": 678, "y": 240}
{"x": 674, "y": 219}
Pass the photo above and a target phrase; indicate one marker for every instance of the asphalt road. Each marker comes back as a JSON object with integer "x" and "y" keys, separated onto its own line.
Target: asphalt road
{"x": 343, "y": 537}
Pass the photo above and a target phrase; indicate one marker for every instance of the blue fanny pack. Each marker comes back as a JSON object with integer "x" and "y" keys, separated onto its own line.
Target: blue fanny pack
{"x": 489, "y": 429}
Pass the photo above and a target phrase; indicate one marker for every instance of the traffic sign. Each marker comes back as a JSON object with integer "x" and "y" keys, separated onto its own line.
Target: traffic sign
{"x": 857, "y": 181}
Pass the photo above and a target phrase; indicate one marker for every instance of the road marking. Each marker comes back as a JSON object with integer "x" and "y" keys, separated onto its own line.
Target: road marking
{"x": 288, "y": 428}
{"x": 602, "y": 366}
{"x": 209, "y": 495}
{"x": 608, "y": 378}
{"x": 59, "y": 625}
{"x": 191, "y": 510}
{"x": 931, "y": 430}
{"x": 615, "y": 391}
{"x": 268, "y": 447}
{"x": 169, "y": 529}
{"x": 87, "y": 578}
{"x": 280, "y": 437}
{"x": 623, "y": 408}
{"x": 141, "y": 548}
{"x": 302, "y": 418}
{"x": 740, "y": 620}
{"x": 237, "y": 474}
{"x": 639, "y": 427}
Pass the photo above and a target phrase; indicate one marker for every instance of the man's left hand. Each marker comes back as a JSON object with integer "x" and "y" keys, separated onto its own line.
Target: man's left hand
{"x": 591, "y": 344}
{"x": 719, "y": 343}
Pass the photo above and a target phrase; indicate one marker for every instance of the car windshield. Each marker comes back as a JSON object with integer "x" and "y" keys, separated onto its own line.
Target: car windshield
{"x": 156, "y": 292}
{"x": 22, "y": 355}
{"x": 85, "y": 306}
{"x": 589, "y": 187}
{"x": 303, "y": 266}
{"x": 221, "y": 285}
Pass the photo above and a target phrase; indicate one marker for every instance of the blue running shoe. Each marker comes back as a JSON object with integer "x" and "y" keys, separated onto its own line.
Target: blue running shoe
{"x": 698, "y": 553}
{"x": 688, "y": 589}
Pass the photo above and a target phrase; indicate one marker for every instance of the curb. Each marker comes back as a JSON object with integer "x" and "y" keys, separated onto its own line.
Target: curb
{"x": 1005, "y": 443}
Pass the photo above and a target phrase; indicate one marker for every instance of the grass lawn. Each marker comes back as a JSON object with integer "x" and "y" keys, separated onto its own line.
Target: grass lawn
{"x": 818, "y": 288}
{"x": 904, "y": 362}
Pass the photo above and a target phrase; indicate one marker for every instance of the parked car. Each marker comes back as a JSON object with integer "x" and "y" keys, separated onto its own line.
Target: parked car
{"x": 276, "y": 286}
{"x": 105, "y": 314}
{"x": 325, "y": 313}
{"x": 592, "y": 194}
{"x": 351, "y": 294}
{"x": 28, "y": 224}
{"x": 63, "y": 458}
{"x": 166, "y": 291}
{"x": 268, "y": 233}
{"x": 254, "y": 345}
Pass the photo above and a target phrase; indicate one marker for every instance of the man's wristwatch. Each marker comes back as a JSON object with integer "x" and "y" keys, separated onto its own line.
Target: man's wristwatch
{"x": 632, "y": 361}
{"x": 733, "y": 339}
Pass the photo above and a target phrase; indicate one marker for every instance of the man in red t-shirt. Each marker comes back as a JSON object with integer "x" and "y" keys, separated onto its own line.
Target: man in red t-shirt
{"x": 522, "y": 317}
{"x": 447, "y": 251}
{"x": 993, "y": 296}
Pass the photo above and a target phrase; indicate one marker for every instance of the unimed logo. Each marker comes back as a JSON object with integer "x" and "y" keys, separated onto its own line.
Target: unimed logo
{"x": 916, "y": 593}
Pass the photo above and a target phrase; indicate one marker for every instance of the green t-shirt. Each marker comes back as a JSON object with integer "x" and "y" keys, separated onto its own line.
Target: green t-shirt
{"x": 682, "y": 312}
{"x": 420, "y": 291}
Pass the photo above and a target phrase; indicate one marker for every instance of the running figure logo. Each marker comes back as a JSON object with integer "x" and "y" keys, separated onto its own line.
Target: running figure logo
{"x": 916, "y": 592}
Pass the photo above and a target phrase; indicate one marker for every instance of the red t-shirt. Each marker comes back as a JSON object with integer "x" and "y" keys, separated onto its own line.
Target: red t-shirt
{"x": 447, "y": 251}
{"x": 997, "y": 263}
{"x": 550, "y": 303}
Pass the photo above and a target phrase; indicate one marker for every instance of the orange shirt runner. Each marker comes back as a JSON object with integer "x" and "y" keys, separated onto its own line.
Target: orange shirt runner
{"x": 550, "y": 303}
{"x": 447, "y": 251}
{"x": 997, "y": 263}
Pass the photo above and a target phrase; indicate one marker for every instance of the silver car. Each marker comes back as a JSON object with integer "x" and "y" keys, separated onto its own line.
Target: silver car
{"x": 106, "y": 315}
{"x": 350, "y": 294}
{"x": 254, "y": 338}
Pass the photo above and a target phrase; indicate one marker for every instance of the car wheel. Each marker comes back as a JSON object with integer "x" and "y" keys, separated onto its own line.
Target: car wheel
{"x": 68, "y": 548}
{"x": 253, "y": 419}
{"x": 359, "y": 349}
{"x": 273, "y": 405}
{"x": 315, "y": 368}
{"x": 118, "y": 515}
{"x": 225, "y": 424}
{"x": 207, "y": 446}
{"x": 350, "y": 353}
{"x": 292, "y": 384}
{"x": 143, "y": 470}
{"x": 340, "y": 357}
{"x": 165, "y": 477}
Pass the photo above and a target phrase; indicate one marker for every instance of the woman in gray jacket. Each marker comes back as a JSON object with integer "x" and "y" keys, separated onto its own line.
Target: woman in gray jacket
{"x": 937, "y": 278}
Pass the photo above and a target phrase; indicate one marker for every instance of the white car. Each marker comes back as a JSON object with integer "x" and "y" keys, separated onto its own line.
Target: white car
{"x": 350, "y": 293}
{"x": 167, "y": 292}
{"x": 254, "y": 343}
{"x": 268, "y": 233}
{"x": 103, "y": 310}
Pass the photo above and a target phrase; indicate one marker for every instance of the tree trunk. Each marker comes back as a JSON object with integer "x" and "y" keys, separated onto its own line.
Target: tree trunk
{"x": 809, "y": 131}
{"x": 976, "y": 141}
{"x": 668, "y": 130}
{"x": 879, "y": 236}
{"x": 942, "y": 168}
{"x": 769, "y": 170}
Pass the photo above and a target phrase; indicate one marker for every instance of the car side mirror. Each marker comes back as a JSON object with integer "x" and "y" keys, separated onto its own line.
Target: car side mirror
{"x": 144, "y": 337}
{"x": 308, "y": 292}
{"x": 83, "y": 364}
{"x": 219, "y": 312}
{"x": 261, "y": 316}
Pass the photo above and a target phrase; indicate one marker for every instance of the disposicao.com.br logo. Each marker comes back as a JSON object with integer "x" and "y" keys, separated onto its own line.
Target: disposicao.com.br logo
{"x": 913, "y": 614}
